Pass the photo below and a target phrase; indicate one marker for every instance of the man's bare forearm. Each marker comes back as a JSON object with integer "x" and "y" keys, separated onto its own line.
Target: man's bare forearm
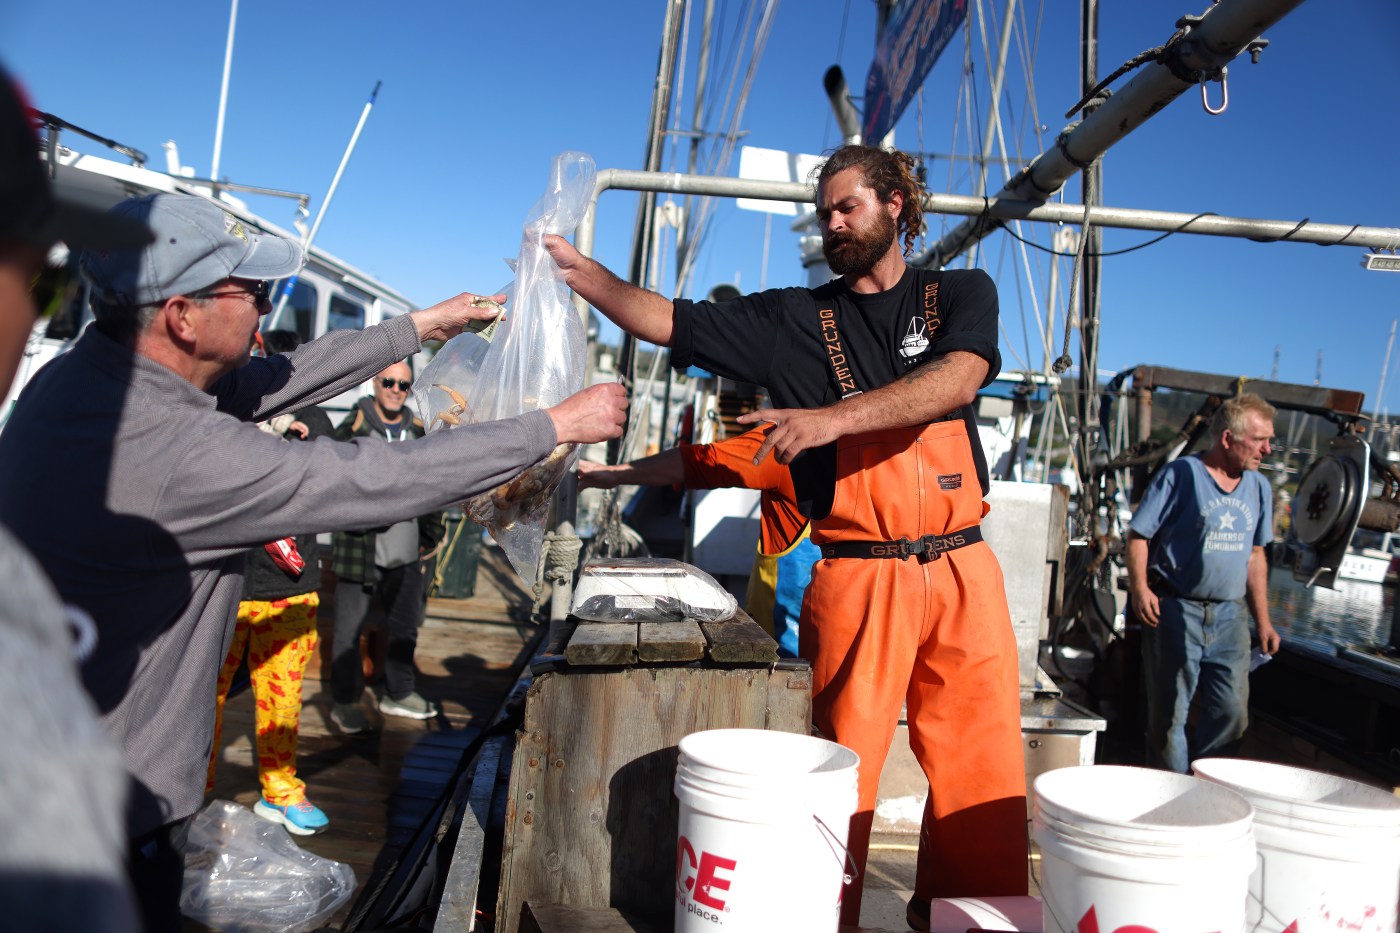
{"x": 1256, "y": 586}
{"x": 663, "y": 469}
{"x": 643, "y": 314}
{"x": 919, "y": 396}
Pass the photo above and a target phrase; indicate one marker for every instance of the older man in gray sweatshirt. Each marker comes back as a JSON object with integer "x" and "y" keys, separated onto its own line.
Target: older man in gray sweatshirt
{"x": 133, "y": 470}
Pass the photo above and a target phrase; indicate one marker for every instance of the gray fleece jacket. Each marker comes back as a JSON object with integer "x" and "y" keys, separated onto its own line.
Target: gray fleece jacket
{"x": 138, "y": 492}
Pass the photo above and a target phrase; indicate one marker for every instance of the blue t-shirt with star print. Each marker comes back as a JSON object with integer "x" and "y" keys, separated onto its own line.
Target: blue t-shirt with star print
{"x": 1200, "y": 535}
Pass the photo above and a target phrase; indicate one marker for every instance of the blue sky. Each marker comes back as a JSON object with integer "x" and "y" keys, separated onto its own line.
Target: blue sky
{"x": 478, "y": 98}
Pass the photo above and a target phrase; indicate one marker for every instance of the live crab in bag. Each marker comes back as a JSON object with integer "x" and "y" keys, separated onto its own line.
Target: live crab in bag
{"x": 531, "y": 357}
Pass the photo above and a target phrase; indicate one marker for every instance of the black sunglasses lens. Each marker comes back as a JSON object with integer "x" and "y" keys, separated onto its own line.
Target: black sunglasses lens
{"x": 403, "y": 384}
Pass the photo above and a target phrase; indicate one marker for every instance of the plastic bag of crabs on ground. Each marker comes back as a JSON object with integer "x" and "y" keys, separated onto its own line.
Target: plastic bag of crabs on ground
{"x": 531, "y": 357}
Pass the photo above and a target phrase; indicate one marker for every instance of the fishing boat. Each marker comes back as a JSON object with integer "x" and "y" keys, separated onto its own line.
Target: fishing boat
{"x": 1064, "y": 571}
{"x": 329, "y": 294}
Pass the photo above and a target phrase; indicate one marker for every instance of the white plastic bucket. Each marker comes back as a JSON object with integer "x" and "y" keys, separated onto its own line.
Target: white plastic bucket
{"x": 1329, "y": 848}
{"x": 1132, "y": 847}
{"x": 762, "y": 837}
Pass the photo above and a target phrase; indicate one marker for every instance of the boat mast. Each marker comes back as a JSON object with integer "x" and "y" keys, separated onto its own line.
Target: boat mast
{"x": 291, "y": 282}
{"x": 642, "y": 231}
{"x": 1091, "y": 181}
{"x": 1380, "y": 390}
{"x": 223, "y": 98}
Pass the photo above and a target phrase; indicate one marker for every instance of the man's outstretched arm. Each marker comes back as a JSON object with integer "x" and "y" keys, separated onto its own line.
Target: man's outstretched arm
{"x": 643, "y": 314}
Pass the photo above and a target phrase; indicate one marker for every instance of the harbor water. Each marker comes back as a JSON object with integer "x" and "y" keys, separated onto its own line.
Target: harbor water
{"x": 1354, "y": 613}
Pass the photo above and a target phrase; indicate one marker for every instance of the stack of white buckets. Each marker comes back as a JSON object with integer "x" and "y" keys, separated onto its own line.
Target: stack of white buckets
{"x": 1244, "y": 845}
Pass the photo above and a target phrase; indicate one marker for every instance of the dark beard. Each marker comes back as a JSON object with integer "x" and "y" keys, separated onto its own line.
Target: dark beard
{"x": 856, "y": 253}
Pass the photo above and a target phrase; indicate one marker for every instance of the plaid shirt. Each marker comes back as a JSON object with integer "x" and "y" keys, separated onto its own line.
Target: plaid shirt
{"x": 352, "y": 556}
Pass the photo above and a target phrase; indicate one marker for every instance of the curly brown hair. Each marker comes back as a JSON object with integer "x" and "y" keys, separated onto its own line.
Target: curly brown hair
{"x": 886, "y": 171}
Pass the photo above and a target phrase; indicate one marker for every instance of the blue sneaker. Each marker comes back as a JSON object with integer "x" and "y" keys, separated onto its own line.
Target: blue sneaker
{"x": 303, "y": 819}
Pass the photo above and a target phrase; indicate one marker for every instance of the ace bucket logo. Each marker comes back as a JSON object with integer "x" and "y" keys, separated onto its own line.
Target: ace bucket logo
{"x": 702, "y": 881}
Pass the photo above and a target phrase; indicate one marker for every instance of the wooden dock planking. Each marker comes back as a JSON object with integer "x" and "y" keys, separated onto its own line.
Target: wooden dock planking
{"x": 670, "y": 641}
{"x": 603, "y": 644}
{"x": 377, "y": 788}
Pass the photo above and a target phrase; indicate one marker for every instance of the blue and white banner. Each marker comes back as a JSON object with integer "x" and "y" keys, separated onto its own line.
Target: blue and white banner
{"x": 916, "y": 34}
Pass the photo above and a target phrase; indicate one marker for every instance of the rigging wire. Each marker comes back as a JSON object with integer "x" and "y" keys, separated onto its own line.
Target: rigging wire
{"x": 1115, "y": 252}
{"x": 760, "y": 42}
{"x": 840, "y": 47}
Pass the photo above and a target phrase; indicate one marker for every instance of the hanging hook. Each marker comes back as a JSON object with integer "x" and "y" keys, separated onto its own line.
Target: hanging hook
{"x": 1224, "y": 93}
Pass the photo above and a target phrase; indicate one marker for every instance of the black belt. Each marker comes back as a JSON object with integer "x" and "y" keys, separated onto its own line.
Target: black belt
{"x": 928, "y": 548}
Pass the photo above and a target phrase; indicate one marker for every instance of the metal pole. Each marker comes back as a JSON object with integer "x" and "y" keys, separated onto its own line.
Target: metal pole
{"x": 998, "y": 76}
{"x": 223, "y": 96}
{"x": 1380, "y": 390}
{"x": 1004, "y": 208}
{"x": 321, "y": 214}
{"x": 1090, "y": 181}
{"x": 641, "y": 245}
{"x": 1221, "y": 34}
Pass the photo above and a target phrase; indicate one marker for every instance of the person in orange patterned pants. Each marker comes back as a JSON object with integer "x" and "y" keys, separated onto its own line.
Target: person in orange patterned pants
{"x": 277, "y": 626}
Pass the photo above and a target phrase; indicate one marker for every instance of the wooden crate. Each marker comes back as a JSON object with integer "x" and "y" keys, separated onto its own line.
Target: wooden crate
{"x": 591, "y": 817}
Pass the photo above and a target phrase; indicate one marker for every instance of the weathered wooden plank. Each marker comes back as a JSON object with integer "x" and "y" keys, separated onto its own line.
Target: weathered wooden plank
{"x": 740, "y": 640}
{"x": 670, "y": 641}
{"x": 603, "y": 643}
{"x": 457, "y": 910}
{"x": 1282, "y": 394}
{"x": 557, "y": 918}
{"x": 591, "y": 817}
{"x": 790, "y": 695}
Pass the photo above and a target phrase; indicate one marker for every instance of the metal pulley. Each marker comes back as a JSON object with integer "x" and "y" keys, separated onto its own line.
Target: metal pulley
{"x": 1332, "y": 493}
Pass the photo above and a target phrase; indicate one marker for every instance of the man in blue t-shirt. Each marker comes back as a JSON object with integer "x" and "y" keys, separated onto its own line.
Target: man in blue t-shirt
{"x": 1195, "y": 549}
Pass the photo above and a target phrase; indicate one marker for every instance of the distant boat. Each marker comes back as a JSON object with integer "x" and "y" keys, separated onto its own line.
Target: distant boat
{"x": 1367, "y": 562}
{"x": 329, "y": 293}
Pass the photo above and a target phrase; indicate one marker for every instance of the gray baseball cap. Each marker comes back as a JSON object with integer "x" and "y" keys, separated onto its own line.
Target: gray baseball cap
{"x": 197, "y": 244}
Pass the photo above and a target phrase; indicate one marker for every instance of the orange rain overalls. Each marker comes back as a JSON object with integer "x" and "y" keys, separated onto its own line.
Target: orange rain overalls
{"x": 936, "y": 636}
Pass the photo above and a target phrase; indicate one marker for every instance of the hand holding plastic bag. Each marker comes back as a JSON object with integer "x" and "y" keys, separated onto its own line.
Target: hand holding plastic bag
{"x": 534, "y": 359}
{"x": 246, "y": 875}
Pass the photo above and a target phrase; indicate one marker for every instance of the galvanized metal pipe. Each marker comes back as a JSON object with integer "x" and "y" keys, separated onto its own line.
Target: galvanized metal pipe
{"x": 1001, "y": 208}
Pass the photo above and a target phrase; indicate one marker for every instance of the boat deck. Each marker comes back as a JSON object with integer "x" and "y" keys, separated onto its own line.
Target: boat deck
{"x": 377, "y": 788}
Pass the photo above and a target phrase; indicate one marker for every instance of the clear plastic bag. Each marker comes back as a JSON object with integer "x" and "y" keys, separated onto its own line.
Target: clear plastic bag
{"x": 649, "y": 589}
{"x": 535, "y": 359}
{"x": 246, "y": 875}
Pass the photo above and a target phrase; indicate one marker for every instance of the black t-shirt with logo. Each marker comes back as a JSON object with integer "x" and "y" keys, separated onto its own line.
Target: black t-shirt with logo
{"x": 811, "y": 347}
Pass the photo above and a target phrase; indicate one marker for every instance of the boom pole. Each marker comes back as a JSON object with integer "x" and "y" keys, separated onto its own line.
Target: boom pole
{"x": 1197, "y": 54}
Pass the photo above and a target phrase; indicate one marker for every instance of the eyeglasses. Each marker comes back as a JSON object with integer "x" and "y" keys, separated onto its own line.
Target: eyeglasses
{"x": 259, "y": 292}
{"x": 403, "y": 384}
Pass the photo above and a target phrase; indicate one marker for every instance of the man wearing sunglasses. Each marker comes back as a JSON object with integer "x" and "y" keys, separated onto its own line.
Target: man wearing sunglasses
{"x": 383, "y": 562}
{"x": 134, "y": 471}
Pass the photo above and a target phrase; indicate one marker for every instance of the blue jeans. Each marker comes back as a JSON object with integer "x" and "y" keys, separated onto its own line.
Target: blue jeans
{"x": 1198, "y": 648}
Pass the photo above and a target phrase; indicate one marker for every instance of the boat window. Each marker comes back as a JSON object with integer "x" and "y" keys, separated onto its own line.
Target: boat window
{"x": 300, "y": 312}
{"x": 60, "y": 299}
{"x": 345, "y": 314}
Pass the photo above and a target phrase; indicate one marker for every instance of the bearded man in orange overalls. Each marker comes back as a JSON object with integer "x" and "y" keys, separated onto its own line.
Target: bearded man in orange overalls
{"x": 877, "y": 371}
